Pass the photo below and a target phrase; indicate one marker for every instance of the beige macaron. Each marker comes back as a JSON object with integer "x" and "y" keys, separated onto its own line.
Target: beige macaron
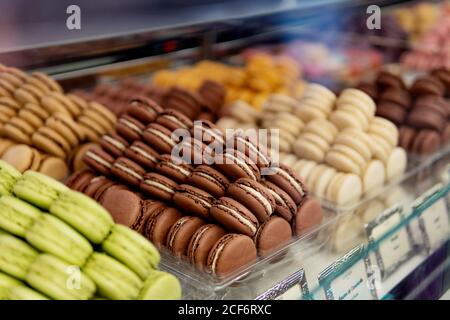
{"x": 54, "y": 167}
{"x": 373, "y": 177}
{"x": 323, "y": 128}
{"x": 304, "y": 167}
{"x": 396, "y": 163}
{"x": 357, "y": 140}
{"x": 344, "y": 189}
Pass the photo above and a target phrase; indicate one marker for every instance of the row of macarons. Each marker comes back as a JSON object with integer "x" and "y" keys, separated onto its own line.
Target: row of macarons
{"x": 48, "y": 230}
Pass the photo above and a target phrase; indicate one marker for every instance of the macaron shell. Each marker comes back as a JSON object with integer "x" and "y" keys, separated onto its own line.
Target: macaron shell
{"x": 54, "y": 167}
{"x": 158, "y": 226}
{"x": 160, "y": 286}
{"x": 374, "y": 176}
{"x": 272, "y": 235}
{"x": 123, "y": 205}
{"x": 180, "y": 234}
{"x": 201, "y": 243}
{"x": 396, "y": 163}
{"x": 309, "y": 216}
{"x": 20, "y": 156}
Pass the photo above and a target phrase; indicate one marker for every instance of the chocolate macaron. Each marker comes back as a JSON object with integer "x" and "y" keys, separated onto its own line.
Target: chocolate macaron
{"x": 289, "y": 181}
{"x": 99, "y": 160}
{"x": 309, "y": 216}
{"x": 80, "y": 180}
{"x": 255, "y": 196}
{"x": 234, "y": 165}
{"x": 142, "y": 154}
{"x": 202, "y": 242}
{"x": 193, "y": 200}
{"x": 173, "y": 119}
{"x": 285, "y": 206}
{"x": 113, "y": 144}
{"x": 159, "y": 224}
{"x": 272, "y": 235}
{"x": 180, "y": 234}
{"x": 210, "y": 180}
{"x": 125, "y": 207}
{"x": 234, "y": 216}
{"x": 130, "y": 128}
{"x": 159, "y": 138}
{"x": 175, "y": 170}
{"x": 144, "y": 109}
{"x": 127, "y": 171}
{"x": 230, "y": 253}
{"x": 158, "y": 186}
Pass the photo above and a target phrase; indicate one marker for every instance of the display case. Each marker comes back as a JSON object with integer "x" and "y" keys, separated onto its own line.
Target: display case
{"x": 391, "y": 244}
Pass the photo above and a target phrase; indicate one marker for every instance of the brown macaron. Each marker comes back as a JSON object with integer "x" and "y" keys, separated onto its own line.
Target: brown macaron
{"x": 159, "y": 224}
{"x": 285, "y": 206}
{"x": 173, "y": 119}
{"x": 397, "y": 96}
{"x": 180, "y": 234}
{"x": 234, "y": 165}
{"x": 144, "y": 109}
{"x": 79, "y": 180}
{"x": 99, "y": 160}
{"x": 17, "y": 130}
{"x": 289, "y": 181}
{"x": 423, "y": 118}
{"x": 142, "y": 154}
{"x": 125, "y": 206}
{"x": 255, "y": 196}
{"x": 159, "y": 138}
{"x": 158, "y": 186}
{"x": 96, "y": 184}
{"x": 387, "y": 79}
{"x": 210, "y": 180}
{"x": 130, "y": 128}
{"x": 406, "y": 137}
{"x": 193, "y": 200}
{"x": 234, "y": 216}
{"x": 128, "y": 171}
{"x": 175, "y": 170}
{"x": 426, "y": 142}
{"x": 391, "y": 111}
{"x": 427, "y": 85}
{"x": 308, "y": 217}
{"x": 202, "y": 242}
{"x": 272, "y": 235}
{"x": 113, "y": 144}
{"x": 231, "y": 253}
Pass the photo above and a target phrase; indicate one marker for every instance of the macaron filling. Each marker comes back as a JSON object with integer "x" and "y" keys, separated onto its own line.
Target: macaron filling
{"x": 131, "y": 125}
{"x": 98, "y": 159}
{"x": 163, "y": 137}
{"x": 143, "y": 153}
{"x": 196, "y": 241}
{"x": 235, "y": 213}
{"x": 241, "y": 164}
{"x": 176, "y": 121}
{"x": 258, "y": 196}
{"x": 116, "y": 143}
{"x": 291, "y": 180}
{"x": 125, "y": 169}
{"x": 159, "y": 185}
{"x": 180, "y": 169}
{"x": 211, "y": 178}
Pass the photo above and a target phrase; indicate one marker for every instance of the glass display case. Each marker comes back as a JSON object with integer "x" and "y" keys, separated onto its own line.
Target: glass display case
{"x": 391, "y": 244}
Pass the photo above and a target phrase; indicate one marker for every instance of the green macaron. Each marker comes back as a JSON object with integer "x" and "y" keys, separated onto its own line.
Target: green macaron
{"x": 84, "y": 215}
{"x": 113, "y": 279}
{"x": 132, "y": 249}
{"x": 16, "y": 216}
{"x": 38, "y": 189}
{"x": 7, "y": 282}
{"x": 8, "y": 177}
{"x": 160, "y": 286}
{"x": 51, "y": 235}
{"x": 58, "y": 279}
{"x": 24, "y": 293}
{"x": 16, "y": 256}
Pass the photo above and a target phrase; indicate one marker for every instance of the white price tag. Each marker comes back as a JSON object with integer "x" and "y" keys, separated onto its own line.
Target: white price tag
{"x": 347, "y": 279}
{"x": 397, "y": 247}
{"x": 293, "y": 287}
{"x": 434, "y": 225}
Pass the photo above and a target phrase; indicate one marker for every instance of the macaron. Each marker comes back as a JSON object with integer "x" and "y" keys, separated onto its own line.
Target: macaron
{"x": 210, "y": 180}
{"x": 158, "y": 186}
{"x": 38, "y": 189}
{"x": 374, "y": 176}
{"x": 193, "y": 200}
{"x": 83, "y": 214}
{"x": 309, "y": 215}
{"x": 8, "y": 177}
{"x": 79, "y": 180}
{"x": 287, "y": 180}
{"x": 160, "y": 285}
{"x": 132, "y": 249}
{"x": 285, "y": 207}
{"x": 76, "y": 162}
{"x": 255, "y": 196}
{"x": 144, "y": 109}
{"x": 234, "y": 216}
{"x": 22, "y": 157}
{"x": 96, "y": 183}
{"x": 344, "y": 189}
{"x": 159, "y": 138}
{"x": 125, "y": 207}
{"x": 51, "y": 142}
{"x": 208, "y": 133}
{"x": 114, "y": 144}
{"x": 113, "y": 279}
{"x": 130, "y": 128}
{"x": 254, "y": 152}
{"x": 272, "y": 235}
{"x": 21, "y": 292}
{"x": 230, "y": 253}
{"x": 128, "y": 171}
{"x": 51, "y": 235}
{"x": 173, "y": 119}
{"x": 202, "y": 242}
{"x": 66, "y": 127}
{"x": 16, "y": 256}
{"x": 142, "y": 154}
{"x": 54, "y": 167}
{"x": 98, "y": 160}
{"x": 234, "y": 165}
{"x": 392, "y": 112}
{"x": 17, "y": 216}
{"x": 180, "y": 234}
{"x": 175, "y": 170}
{"x": 18, "y": 130}
{"x": 159, "y": 224}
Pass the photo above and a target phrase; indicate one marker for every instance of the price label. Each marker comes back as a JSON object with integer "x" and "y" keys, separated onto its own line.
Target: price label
{"x": 293, "y": 287}
{"x": 394, "y": 249}
{"x": 434, "y": 225}
{"x": 347, "y": 279}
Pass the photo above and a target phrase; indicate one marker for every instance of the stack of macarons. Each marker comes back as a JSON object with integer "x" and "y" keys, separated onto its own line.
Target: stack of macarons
{"x": 60, "y": 244}
{"x": 421, "y": 111}
{"x": 260, "y": 211}
{"x": 35, "y": 111}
